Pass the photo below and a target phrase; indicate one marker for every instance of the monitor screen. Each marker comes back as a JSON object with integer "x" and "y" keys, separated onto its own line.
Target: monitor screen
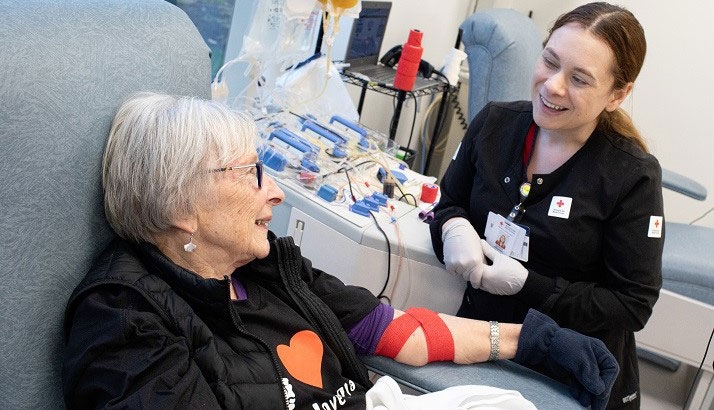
{"x": 368, "y": 31}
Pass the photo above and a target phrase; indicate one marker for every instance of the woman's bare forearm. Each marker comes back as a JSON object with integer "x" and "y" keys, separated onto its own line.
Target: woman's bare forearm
{"x": 472, "y": 341}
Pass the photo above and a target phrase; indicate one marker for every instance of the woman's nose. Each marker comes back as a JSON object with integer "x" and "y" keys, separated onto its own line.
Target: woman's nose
{"x": 275, "y": 194}
{"x": 555, "y": 84}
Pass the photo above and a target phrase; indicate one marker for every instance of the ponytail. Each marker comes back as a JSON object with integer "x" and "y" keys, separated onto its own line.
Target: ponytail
{"x": 619, "y": 122}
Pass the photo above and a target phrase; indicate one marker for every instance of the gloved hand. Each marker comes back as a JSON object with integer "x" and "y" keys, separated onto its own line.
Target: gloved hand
{"x": 505, "y": 275}
{"x": 584, "y": 360}
{"x": 462, "y": 250}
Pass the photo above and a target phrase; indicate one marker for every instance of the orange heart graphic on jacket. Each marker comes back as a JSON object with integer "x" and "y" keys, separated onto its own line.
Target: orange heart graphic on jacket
{"x": 303, "y": 357}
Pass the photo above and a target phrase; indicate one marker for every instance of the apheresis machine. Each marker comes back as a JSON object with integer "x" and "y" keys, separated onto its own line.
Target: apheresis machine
{"x": 356, "y": 210}
{"x": 352, "y": 203}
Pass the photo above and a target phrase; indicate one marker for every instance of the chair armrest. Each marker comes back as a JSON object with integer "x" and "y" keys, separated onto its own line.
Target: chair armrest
{"x": 543, "y": 392}
{"x": 683, "y": 185}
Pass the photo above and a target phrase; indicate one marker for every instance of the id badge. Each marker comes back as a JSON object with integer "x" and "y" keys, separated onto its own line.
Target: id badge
{"x": 520, "y": 251}
{"x": 507, "y": 237}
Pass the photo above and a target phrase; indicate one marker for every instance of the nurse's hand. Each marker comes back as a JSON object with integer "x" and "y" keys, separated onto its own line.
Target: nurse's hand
{"x": 462, "y": 250}
{"x": 505, "y": 275}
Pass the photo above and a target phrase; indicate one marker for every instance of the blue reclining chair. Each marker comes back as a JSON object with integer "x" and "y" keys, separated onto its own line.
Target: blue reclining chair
{"x": 502, "y": 46}
{"x": 65, "y": 66}
{"x": 687, "y": 263}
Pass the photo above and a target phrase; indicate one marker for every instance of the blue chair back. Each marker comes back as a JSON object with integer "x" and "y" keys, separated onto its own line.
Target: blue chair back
{"x": 65, "y": 66}
{"x": 502, "y": 46}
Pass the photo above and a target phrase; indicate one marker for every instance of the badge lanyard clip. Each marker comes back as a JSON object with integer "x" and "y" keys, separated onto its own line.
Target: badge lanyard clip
{"x": 518, "y": 210}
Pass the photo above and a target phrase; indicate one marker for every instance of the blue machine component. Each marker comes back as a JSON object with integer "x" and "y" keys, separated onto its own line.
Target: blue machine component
{"x": 363, "y": 143}
{"x": 371, "y": 203}
{"x": 381, "y": 174}
{"x": 327, "y": 192}
{"x": 338, "y": 152}
{"x": 360, "y": 208}
{"x": 289, "y": 141}
{"x": 380, "y": 198}
{"x": 323, "y": 133}
{"x": 273, "y": 159}
{"x": 309, "y": 165}
{"x": 349, "y": 124}
{"x": 398, "y": 175}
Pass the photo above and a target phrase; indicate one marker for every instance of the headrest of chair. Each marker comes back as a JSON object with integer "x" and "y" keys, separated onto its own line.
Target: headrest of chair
{"x": 502, "y": 46}
{"x": 65, "y": 68}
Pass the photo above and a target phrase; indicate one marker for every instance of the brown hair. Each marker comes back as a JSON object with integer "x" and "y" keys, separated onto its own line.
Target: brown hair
{"x": 621, "y": 31}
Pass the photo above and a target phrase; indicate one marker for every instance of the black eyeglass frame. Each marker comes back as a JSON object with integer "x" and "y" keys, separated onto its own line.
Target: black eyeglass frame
{"x": 258, "y": 170}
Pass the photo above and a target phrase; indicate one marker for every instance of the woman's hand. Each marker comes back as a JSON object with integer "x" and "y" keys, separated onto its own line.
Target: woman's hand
{"x": 505, "y": 275}
{"x": 462, "y": 250}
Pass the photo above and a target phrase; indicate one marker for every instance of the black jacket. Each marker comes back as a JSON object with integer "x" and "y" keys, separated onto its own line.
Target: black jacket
{"x": 597, "y": 271}
{"x": 145, "y": 333}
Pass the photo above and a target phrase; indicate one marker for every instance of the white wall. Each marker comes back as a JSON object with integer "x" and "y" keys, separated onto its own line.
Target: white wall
{"x": 671, "y": 103}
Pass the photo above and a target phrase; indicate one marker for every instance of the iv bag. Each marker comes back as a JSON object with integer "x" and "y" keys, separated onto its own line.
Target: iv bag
{"x": 265, "y": 30}
{"x": 309, "y": 90}
{"x": 299, "y": 8}
{"x": 298, "y": 37}
{"x": 281, "y": 31}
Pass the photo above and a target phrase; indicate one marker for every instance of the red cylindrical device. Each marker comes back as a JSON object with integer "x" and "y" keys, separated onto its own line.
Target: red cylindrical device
{"x": 429, "y": 193}
{"x": 409, "y": 62}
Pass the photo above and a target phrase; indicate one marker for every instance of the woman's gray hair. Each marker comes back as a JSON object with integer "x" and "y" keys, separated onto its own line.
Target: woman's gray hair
{"x": 158, "y": 156}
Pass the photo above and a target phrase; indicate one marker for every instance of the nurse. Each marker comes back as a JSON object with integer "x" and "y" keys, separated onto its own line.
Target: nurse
{"x": 555, "y": 203}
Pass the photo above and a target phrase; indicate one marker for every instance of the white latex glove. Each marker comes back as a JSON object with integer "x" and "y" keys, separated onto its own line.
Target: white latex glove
{"x": 505, "y": 276}
{"x": 462, "y": 250}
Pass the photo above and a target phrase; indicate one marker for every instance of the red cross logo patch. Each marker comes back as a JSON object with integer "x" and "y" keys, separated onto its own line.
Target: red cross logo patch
{"x": 560, "y": 207}
{"x": 655, "y": 228}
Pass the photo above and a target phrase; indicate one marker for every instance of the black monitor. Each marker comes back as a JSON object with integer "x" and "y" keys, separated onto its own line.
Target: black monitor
{"x": 368, "y": 33}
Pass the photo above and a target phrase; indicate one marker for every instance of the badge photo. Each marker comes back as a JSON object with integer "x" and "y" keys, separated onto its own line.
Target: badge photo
{"x": 507, "y": 237}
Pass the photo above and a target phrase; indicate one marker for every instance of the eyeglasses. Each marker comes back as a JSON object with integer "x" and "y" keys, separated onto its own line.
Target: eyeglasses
{"x": 258, "y": 170}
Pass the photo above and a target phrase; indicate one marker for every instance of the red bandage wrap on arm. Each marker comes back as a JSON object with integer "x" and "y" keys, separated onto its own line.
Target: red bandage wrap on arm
{"x": 439, "y": 342}
{"x": 396, "y": 335}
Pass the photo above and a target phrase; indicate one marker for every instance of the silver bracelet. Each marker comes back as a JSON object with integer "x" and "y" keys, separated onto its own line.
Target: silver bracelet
{"x": 495, "y": 341}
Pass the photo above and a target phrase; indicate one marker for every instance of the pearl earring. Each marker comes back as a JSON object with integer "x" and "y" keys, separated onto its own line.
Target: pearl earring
{"x": 190, "y": 246}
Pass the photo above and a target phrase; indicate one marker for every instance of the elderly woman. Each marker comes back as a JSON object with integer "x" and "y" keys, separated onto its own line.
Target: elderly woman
{"x": 199, "y": 305}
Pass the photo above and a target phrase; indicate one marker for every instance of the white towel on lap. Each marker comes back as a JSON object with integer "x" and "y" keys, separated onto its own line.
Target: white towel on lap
{"x": 386, "y": 395}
